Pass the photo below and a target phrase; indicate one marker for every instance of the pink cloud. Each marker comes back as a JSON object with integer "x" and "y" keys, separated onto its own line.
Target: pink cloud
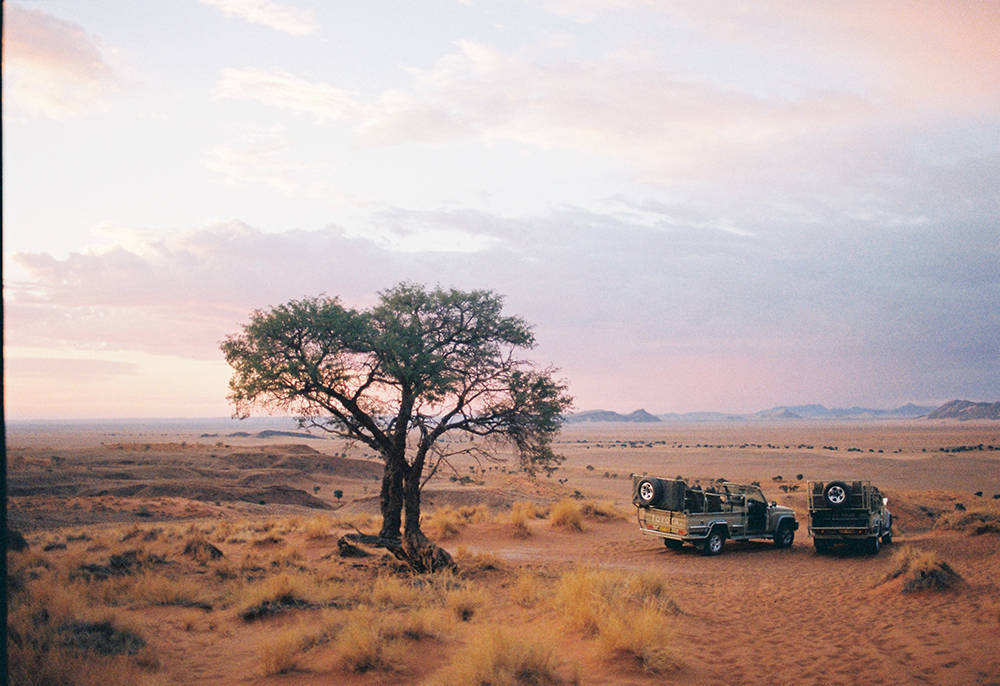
{"x": 52, "y": 67}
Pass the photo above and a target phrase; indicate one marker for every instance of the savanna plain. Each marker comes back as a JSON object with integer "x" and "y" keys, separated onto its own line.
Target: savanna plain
{"x": 166, "y": 555}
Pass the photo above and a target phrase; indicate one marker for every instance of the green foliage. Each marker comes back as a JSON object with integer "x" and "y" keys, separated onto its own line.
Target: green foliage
{"x": 417, "y": 365}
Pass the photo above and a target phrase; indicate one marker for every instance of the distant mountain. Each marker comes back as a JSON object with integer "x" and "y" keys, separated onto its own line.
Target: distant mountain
{"x": 790, "y": 412}
{"x": 815, "y": 411}
{"x": 701, "y": 417}
{"x": 609, "y": 416}
{"x": 966, "y": 409}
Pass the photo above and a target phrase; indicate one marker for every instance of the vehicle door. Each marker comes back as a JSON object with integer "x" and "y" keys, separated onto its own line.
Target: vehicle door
{"x": 756, "y": 511}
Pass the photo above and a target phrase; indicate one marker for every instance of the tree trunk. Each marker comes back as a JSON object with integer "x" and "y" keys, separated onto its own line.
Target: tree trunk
{"x": 391, "y": 497}
{"x": 422, "y": 554}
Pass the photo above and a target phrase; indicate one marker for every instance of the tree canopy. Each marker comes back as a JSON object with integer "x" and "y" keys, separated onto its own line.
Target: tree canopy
{"x": 417, "y": 366}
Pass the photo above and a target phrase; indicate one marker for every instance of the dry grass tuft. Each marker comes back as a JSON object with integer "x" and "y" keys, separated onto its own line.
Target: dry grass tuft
{"x": 318, "y": 527}
{"x": 445, "y": 523}
{"x": 641, "y": 635}
{"x": 364, "y": 646}
{"x": 603, "y": 510}
{"x": 495, "y": 656}
{"x": 277, "y": 594}
{"x": 278, "y": 654}
{"x": 464, "y": 602}
{"x": 975, "y": 522}
{"x": 923, "y": 572}
{"x": 157, "y": 589}
{"x": 521, "y": 514}
{"x": 567, "y": 514}
{"x": 473, "y": 564}
{"x": 528, "y": 589}
{"x": 396, "y": 592}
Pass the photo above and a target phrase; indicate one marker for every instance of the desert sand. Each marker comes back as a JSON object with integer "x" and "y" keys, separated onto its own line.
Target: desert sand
{"x": 568, "y": 596}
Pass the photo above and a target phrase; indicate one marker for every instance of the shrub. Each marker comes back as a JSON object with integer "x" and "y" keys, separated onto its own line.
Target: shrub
{"x": 464, "y": 602}
{"x": 520, "y": 515}
{"x": 567, "y": 514}
{"x": 277, "y": 654}
{"x": 395, "y": 592}
{"x": 364, "y": 646}
{"x": 976, "y": 522}
{"x": 924, "y": 571}
{"x": 527, "y": 590}
{"x": 495, "y": 656}
{"x": 318, "y": 527}
{"x": 637, "y": 634}
{"x": 276, "y": 594}
{"x": 604, "y": 509}
{"x": 445, "y": 523}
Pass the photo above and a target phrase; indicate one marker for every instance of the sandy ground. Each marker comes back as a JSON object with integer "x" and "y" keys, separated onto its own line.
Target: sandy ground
{"x": 754, "y": 615}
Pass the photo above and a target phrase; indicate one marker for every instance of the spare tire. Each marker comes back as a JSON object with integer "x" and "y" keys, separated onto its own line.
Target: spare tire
{"x": 648, "y": 492}
{"x": 837, "y": 494}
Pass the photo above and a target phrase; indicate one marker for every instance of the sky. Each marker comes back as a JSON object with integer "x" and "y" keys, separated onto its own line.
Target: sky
{"x": 699, "y": 206}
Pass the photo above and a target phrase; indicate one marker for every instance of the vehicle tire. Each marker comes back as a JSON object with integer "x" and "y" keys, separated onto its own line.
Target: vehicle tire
{"x": 886, "y": 537}
{"x": 648, "y": 492}
{"x": 837, "y": 494}
{"x": 784, "y": 536}
{"x": 872, "y": 545}
{"x": 673, "y": 543}
{"x": 822, "y": 545}
{"x": 714, "y": 543}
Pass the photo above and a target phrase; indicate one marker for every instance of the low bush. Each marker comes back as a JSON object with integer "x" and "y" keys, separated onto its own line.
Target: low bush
{"x": 567, "y": 514}
{"x": 923, "y": 571}
{"x": 495, "y": 656}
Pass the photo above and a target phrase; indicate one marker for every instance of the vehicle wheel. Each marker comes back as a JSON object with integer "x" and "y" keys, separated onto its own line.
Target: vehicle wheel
{"x": 648, "y": 492}
{"x": 714, "y": 543}
{"x": 887, "y": 537}
{"x": 837, "y": 493}
{"x": 673, "y": 544}
{"x": 784, "y": 536}
{"x": 822, "y": 545}
{"x": 872, "y": 545}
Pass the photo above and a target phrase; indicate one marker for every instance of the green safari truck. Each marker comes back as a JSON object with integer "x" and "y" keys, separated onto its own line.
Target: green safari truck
{"x": 707, "y": 517}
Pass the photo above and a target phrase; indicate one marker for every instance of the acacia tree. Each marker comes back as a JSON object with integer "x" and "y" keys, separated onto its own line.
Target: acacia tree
{"x": 405, "y": 377}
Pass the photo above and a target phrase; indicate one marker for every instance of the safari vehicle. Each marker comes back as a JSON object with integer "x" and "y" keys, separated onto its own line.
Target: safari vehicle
{"x": 706, "y": 518}
{"x": 853, "y": 512}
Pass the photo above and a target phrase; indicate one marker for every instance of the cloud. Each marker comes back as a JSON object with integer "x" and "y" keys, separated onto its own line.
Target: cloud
{"x": 935, "y": 54}
{"x": 274, "y": 15}
{"x": 647, "y": 116}
{"x": 72, "y": 370}
{"x": 282, "y": 89}
{"x": 634, "y": 295}
{"x": 52, "y": 67}
{"x": 258, "y": 157}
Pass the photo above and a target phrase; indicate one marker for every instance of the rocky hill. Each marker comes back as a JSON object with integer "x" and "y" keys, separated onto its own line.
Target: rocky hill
{"x": 639, "y": 415}
{"x": 966, "y": 409}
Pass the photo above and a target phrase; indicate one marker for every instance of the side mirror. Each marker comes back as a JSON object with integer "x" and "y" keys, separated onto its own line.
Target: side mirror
{"x": 774, "y": 503}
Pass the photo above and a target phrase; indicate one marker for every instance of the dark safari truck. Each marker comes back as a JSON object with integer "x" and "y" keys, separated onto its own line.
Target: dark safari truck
{"x": 678, "y": 513}
{"x": 853, "y": 512}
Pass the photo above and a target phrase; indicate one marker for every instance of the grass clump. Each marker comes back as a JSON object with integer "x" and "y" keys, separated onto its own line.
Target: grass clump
{"x": 277, "y": 594}
{"x": 924, "y": 572}
{"x": 628, "y": 614}
{"x": 602, "y": 509}
{"x": 318, "y": 527}
{"x": 464, "y": 602}
{"x": 567, "y": 514}
{"x": 640, "y": 636}
{"x": 279, "y": 654}
{"x": 445, "y": 523}
{"x": 974, "y": 522}
{"x": 364, "y": 645}
{"x": 521, "y": 514}
{"x": 498, "y": 657}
